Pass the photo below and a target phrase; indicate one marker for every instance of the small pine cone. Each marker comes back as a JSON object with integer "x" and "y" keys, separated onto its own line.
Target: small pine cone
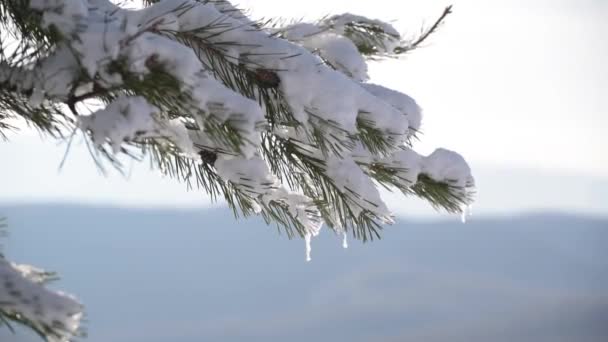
{"x": 208, "y": 157}
{"x": 267, "y": 78}
{"x": 152, "y": 62}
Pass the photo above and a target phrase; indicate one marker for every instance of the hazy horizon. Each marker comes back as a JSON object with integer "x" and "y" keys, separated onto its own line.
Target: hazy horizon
{"x": 192, "y": 275}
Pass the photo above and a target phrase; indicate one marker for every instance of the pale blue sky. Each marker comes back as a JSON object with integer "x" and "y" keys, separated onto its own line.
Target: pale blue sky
{"x": 520, "y": 88}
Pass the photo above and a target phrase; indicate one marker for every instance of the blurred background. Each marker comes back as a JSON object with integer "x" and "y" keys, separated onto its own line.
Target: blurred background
{"x": 519, "y": 88}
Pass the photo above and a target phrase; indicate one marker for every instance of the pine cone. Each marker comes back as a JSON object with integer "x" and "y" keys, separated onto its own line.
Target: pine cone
{"x": 208, "y": 157}
{"x": 267, "y": 78}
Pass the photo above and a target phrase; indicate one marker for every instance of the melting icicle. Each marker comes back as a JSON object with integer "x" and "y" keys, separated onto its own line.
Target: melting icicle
{"x": 467, "y": 211}
{"x": 307, "y": 238}
{"x": 344, "y": 240}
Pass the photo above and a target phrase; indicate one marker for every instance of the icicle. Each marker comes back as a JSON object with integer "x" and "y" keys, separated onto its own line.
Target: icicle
{"x": 257, "y": 209}
{"x": 344, "y": 240}
{"x": 467, "y": 211}
{"x": 307, "y": 238}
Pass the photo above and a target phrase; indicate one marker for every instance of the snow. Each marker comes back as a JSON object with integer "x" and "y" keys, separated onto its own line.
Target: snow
{"x": 322, "y": 76}
{"x": 175, "y": 58}
{"x": 339, "y": 22}
{"x": 350, "y": 179}
{"x": 56, "y": 74}
{"x": 131, "y": 119}
{"x": 21, "y": 293}
{"x": 404, "y": 103}
{"x": 176, "y": 131}
{"x": 340, "y": 25}
{"x": 407, "y": 162}
{"x": 64, "y": 15}
{"x": 125, "y": 119}
{"x": 35, "y": 274}
{"x": 340, "y": 52}
{"x": 447, "y": 166}
{"x": 254, "y": 177}
{"x": 253, "y": 173}
{"x": 309, "y": 86}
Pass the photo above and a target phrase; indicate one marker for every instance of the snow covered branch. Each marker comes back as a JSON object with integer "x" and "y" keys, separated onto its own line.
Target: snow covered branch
{"x": 279, "y": 120}
{"x": 55, "y": 316}
{"x": 183, "y": 79}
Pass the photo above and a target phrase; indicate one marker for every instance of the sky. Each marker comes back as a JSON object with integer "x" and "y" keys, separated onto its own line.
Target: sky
{"x": 519, "y": 88}
{"x": 507, "y": 82}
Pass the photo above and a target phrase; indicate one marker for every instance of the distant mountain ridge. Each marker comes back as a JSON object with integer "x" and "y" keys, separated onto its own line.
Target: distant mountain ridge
{"x": 199, "y": 275}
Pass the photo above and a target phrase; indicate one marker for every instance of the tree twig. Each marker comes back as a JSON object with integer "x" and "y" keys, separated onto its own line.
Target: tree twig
{"x": 425, "y": 34}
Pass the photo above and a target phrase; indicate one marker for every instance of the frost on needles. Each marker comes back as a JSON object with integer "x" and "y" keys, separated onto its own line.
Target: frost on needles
{"x": 278, "y": 119}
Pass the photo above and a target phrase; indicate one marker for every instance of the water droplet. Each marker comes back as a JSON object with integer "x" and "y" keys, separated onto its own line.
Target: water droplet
{"x": 466, "y": 212}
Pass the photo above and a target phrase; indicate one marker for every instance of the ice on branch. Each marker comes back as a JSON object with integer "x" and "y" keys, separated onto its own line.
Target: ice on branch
{"x": 23, "y": 297}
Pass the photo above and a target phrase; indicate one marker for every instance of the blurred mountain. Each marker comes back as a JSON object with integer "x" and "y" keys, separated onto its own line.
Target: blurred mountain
{"x": 199, "y": 275}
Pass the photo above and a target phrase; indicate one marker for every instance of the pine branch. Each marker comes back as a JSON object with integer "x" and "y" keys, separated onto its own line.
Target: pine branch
{"x": 262, "y": 85}
{"x": 24, "y": 24}
{"x": 46, "y": 332}
{"x": 443, "y": 195}
{"x": 338, "y": 209}
{"x": 372, "y": 38}
{"x": 377, "y": 142}
{"x": 169, "y": 161}
{"x": 243, "y": 76}
{"x": 426, "y": 33}
{"x": 8, "y": 317}
{"x": 48, "y": 118}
